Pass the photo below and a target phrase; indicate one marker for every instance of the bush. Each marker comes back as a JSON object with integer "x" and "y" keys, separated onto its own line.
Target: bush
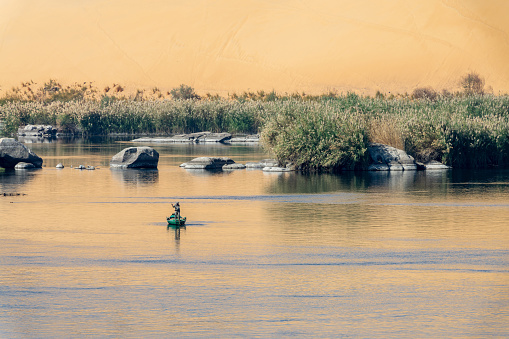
{"x": 316, "y": 137}
{"x": 426, "y": 93}
{"x": 184, "y": 92}
{"x": 472, "y": 84}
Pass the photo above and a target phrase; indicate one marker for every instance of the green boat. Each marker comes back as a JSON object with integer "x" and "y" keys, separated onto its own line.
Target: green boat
{"x": 172, "y": 221}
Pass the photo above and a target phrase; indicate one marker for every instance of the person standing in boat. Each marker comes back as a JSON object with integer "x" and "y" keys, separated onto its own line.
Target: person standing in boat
{"x": 177, "y": 210}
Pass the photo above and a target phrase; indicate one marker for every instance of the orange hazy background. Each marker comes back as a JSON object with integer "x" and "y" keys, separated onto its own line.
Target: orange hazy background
{"x": 226, "y": 46}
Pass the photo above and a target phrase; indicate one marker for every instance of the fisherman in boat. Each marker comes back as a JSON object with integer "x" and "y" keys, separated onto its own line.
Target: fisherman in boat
{"x": 177, "y": 210}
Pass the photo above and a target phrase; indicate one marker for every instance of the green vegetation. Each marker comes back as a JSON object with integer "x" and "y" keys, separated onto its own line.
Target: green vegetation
{"x": 135, "y": 117}
{"x": 317, "y": 136}
{"x": 329, "y": 132}
{"x": 183, "y": 92}
{"x": 465, "y": 132}
{"x": 472, "y": 84}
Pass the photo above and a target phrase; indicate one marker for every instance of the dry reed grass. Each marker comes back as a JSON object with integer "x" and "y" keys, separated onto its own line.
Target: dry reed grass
{"x": 386, "y": 131}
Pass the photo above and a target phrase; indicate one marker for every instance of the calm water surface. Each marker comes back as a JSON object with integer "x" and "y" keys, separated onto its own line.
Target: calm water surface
{"x": 88, "y": 253}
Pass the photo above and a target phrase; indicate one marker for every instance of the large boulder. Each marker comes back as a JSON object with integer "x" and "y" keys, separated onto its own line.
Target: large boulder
{"x": 388, "y": 158}
{"x": 135, "y": 157}
{"x": 13, "y": 152}
{"x": 209, "y": 163}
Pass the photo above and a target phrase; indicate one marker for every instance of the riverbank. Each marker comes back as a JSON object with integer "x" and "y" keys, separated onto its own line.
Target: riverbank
{"x": 322, "y": 134}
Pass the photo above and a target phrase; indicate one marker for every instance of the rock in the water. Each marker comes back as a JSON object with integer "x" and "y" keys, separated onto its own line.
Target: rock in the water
{"x": 214, "y": 137}
{"x": 37, "y": 131}
{"x": 269, "y": 163}
{"x": 388, "y": 158}
{"x": 378, "y": 167}
{"x": 208, "y": 163}
{"x": 198, "y": 137}
{"x": 245, "y": 139}
{"x": 277, "y": 169}
{"x": 60, "y": 165}
{"x": 254, "y": 165}
{"x": 13, "y": 152}
{"x": 234, "y": 166}
{"x": 24, "y": 165}
{"x": 135, "y": 157}
{"x": 435, "y": 165}
{"x": 263, "y": 163}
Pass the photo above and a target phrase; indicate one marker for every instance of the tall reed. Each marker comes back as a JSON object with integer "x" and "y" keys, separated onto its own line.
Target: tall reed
{"x": 322, "y": 133}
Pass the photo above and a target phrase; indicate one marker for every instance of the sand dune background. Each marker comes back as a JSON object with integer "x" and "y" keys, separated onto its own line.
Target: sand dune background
{"x": 226, "y": 46}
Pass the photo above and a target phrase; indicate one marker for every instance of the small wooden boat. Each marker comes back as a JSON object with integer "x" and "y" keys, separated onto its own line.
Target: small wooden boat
{"x": 173, "y": 221}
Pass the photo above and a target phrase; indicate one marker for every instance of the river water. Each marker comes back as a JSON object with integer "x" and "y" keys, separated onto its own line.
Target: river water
{"x": 410, "y": 254}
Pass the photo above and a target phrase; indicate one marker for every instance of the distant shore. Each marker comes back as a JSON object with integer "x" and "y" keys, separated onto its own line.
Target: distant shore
{"x": 318, "y": 133}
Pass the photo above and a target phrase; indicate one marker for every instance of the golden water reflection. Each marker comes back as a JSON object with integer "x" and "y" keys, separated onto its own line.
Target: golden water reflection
{"x": 89, "y": 253}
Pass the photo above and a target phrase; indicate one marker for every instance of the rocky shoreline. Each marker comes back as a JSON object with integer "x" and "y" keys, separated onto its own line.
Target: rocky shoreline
{"x": 383, "y": 158}
{"x": 38, "y": 133}
{"x": 14, "y": 154}
{"x": 202, "y": 138}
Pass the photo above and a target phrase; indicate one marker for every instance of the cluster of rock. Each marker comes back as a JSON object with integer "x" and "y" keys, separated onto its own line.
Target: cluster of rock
{"x": 383, "y": 158}
{"x": 225, "y": 164}
{"x": 37, "y": 131}
{"x": 14, "y": 154}
{"x": 387, "y": 158}
{"x": 202, "y": 137}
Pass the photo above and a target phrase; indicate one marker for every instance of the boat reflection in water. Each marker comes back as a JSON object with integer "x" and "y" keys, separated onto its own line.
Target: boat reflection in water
{"x": 177, "y": 229}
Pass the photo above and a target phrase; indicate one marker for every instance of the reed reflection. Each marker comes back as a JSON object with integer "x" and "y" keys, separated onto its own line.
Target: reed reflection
{"x": 136, "y": 177}
{"x": 295, "y": 183}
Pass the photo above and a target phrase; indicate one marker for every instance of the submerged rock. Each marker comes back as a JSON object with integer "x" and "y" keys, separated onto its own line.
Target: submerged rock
{"x": 13, "y": 152}
{"x": 435, "y": 165}
{"x": 135, "y": 157}
{"x": 24, "y": 166}
{"x": 278, "y": 169}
